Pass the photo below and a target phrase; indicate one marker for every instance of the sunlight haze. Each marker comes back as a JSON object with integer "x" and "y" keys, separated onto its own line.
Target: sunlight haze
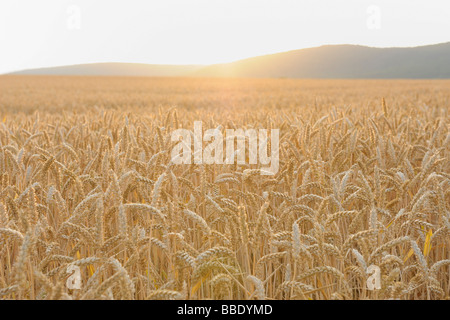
{"x": 55, "y": 32}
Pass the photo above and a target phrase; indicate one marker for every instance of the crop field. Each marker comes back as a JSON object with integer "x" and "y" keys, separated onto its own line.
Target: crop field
{"x": 93, "y": 207}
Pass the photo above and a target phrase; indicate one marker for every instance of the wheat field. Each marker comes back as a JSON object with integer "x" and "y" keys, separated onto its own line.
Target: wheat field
{"x": 86, "y": 181}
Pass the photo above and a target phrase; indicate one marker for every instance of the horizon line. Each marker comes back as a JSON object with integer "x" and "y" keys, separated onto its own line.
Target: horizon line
{"x": 216, "y": 63}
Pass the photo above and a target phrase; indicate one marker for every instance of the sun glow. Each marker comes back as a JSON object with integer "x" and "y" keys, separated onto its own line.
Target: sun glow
{"x": 60, "y": 32}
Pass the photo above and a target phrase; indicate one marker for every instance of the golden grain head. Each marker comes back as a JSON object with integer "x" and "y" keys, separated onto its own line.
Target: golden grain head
{"x": 88, "y": 189}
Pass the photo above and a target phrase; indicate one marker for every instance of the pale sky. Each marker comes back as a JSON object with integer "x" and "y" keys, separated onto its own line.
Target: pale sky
{"x": 43, "y": 33}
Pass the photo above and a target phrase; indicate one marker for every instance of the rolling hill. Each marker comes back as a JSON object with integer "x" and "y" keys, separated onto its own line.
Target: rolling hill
{"x": 115, "y": 69}
{"x": 329, "y": 61}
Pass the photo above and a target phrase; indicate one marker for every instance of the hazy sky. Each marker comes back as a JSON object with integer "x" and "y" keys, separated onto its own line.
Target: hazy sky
{"x": 58, "y": 32}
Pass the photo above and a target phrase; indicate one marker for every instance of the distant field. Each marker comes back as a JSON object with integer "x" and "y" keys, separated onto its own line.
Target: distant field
{"x": 86, "y": 183}
{"x": 50, "y": 93}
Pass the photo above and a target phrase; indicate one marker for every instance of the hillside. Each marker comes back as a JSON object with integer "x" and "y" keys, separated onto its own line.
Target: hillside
{"x": 115, "y": 69}
{"x": 343, "y": 61}
{"x": 329, "y": 61}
